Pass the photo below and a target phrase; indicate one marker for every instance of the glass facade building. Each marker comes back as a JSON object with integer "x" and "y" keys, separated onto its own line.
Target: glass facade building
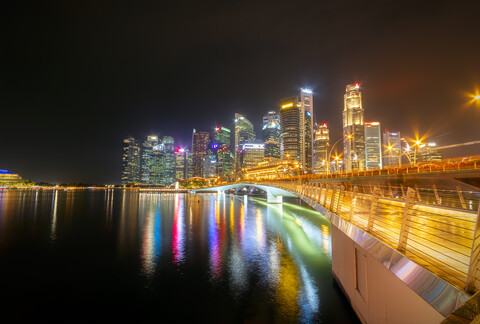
{"x": 271, "y": 135}
{"x": 391, "y": 156}
{"x": 244, "y": 133}
{"x": 321, "y": 147}
{"x": 373, "y": 145}
{"x": 200, "y": 141}
{"x": 131, "y": 159}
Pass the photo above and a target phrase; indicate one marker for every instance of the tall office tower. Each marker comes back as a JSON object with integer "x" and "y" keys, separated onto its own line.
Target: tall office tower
{"x": 429, "y": 153}
{"x": 200, "y": 141}
{"x": 180, "y": 163}
{"x": 210, "y": 166}
{"x": 221, "y": 145}
{"x": 157, "y": 165}
{"x": 391, "y": 148}
{"x": 169, "y": 160}
{"x": 373, "y": 146}
{"x": 251, "y": 155}
{"x": 290, "y": 112}
{"x": 321, "y": 146}
{"x": 353, "y": 129}
{"x": 244, "y": 133}
{"x": 131, "y": 161}
{"x": 306, "y": 129}
{"x": 188, "y": 164}
{"x": 271, "y": 135}
{"x": 148, "y": 158}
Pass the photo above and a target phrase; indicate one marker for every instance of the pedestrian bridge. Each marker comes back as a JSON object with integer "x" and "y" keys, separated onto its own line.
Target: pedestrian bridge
{"x": 274, "y": 194}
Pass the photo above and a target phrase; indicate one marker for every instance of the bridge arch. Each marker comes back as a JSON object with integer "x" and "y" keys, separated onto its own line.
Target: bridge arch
{"x": 274, "y": 195}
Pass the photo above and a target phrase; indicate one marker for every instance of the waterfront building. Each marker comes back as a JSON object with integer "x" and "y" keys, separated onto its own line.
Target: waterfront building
{"x": 210, "y": 166}
{"x": 244, "y": 133}
{"x": 373, "y": 146}
{"x": 271, "y": 135}
{"x": 306, "y": 129}
{"x": 290, "y": 125}
{"x": 7, "y": 177}
{"x": 188, "y": 164}
{"x": 180, "y": 163}
{"x": 252, "y": 154}
{"x": 221, "y": 146}
{"x": 169, "y": 160}
{"x": 200, "y": 141}
{"x": 131, "y": 158}
{"x": 147, "y": 158}
{"x": 429, "y": 153}
{"x": 321, "y": 147}
{"x": 271, "y": 168}
{"x": 391, "y": 149}
{"x": 353, "y": 129}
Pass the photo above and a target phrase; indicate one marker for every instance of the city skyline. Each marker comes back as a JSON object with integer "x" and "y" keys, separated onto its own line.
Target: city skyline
{"x": 78, "y": 90}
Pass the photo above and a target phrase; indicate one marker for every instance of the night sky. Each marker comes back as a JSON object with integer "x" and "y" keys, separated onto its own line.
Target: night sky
{"x": 78, "y": 76}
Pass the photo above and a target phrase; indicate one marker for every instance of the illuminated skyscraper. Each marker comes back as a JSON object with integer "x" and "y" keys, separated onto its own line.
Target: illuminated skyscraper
{"x": 321, "y": 146}
{"x": 290, "y": 112}
{"x": 131, "y": 161}
{"x": 271, "y": 135}
{"x": 148, "y": 158}
{"x": 221, "y": 146}
{"x": 353, "y": 129}
{"x": 373, "y": 145}
{"x": 244, "y": 133}
{"x": 391, "y": 156}
{"x": 180, "y": 163}
{"x": 200, "y": 141}
{"x": 306, "y": 129}
{"x": 168, "y": 176}
{"x": 429, "y": 153}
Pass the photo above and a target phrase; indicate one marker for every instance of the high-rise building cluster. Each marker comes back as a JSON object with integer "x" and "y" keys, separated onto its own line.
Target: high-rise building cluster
{"x": 290, "y": 133}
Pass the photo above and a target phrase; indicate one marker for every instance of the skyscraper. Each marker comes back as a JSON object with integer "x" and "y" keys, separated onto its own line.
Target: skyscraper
{"x": 221, "y": 146}
{"x": 353, "y": 129}
{"x": 200, "y": 141}
{"x": 321, "y": 146}
{"x": 180, "y": 163}
{"x": 244, "y": 133}
{"x": 271, "y": 135}
{"x": 391, "y": 148}
{"x": 148, "y": 158}
{"x": 306, "y": 129}
{"x": 373, "y": 145}
{"x": 131, "y": 161}
{"x": 168, "y": 176}
{"x": 290, "y": 123}
{"x": 429, "y": 153}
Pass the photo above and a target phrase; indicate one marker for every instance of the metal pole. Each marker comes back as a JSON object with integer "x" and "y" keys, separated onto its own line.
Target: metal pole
{"x": 340, "y": 198}
{"x": 418, "y": 193}
{"x": 460, "y": 196}
{"x": 437, "y": 198}
{"x": 352, "y": 204}
{"x": 373, "y": 209}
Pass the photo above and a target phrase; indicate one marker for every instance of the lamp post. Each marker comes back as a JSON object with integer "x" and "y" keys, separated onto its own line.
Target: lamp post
{"x": 330, "y": 152}
{"x": 400, "y": 151}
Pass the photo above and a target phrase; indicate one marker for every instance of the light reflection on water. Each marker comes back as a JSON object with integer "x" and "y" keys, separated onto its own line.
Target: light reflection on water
{"x": 255, "y": 261}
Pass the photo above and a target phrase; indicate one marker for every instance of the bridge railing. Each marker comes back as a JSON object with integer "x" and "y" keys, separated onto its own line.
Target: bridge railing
{"x": 439, "y": 238}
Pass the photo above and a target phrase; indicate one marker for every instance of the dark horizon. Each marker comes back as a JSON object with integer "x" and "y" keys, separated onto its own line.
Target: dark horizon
{"x": 77, "y": 77}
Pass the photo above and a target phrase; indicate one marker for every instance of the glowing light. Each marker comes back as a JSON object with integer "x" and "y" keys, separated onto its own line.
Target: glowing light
{"x": 357, "y": 85}
{"x": 307, "y": 91}
{"x": 309, "y": 113}
{"x": 287, "y": 105}
{"x": 372, "y": 123}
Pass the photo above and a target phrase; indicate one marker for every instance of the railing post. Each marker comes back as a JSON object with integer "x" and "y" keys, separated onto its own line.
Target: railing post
{"x": 352, "y": 203}
{"x": 407, "y": 215}
{"x": 373, "y": 209}
{"x": 317, "y": 192}
{"x": 460, "y": 196}
{"x": 390, "y": 189}
{"x": 332, "y": 200}
{"x": 437, "y": 197}
{"x": 325, "y": 196}
{"x": 474, "y": 257}
{"x": 418, "y": 193}
{"x": 340, "y": 198}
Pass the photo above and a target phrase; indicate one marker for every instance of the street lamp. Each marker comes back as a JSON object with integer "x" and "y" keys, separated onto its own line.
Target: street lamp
{"x": 400, "y": 151}
{"x": 330, "y": 153}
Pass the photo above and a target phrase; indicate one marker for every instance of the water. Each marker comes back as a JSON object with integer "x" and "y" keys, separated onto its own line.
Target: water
{"x": 126, "y": 257}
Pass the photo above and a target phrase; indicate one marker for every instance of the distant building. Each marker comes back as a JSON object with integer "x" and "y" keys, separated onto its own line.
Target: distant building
{"x": 373, "y": 146}
{"x": 180, "y": 163}
{"x": 321, "y": 146}
{"x": 290, "y": 125}
{"x": 148, "y": 158}
{"x": 429, "y": 153}
{"x": 210, "y": 166}
{"x": 244, "y": 133}
{"x": 271, "y": 135}
{"x": 391, "y": 149}
{"x": 131, "y": 161}
{"x": 200, "y": 141}
{"x": 6, "y": 176}
{"x": 221, "y": 146}
{"x": 168, "y": 176}
{"x": 251, "y": 155}
{"x": 353, "y": 129}
{"x": 306, "y": 129}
